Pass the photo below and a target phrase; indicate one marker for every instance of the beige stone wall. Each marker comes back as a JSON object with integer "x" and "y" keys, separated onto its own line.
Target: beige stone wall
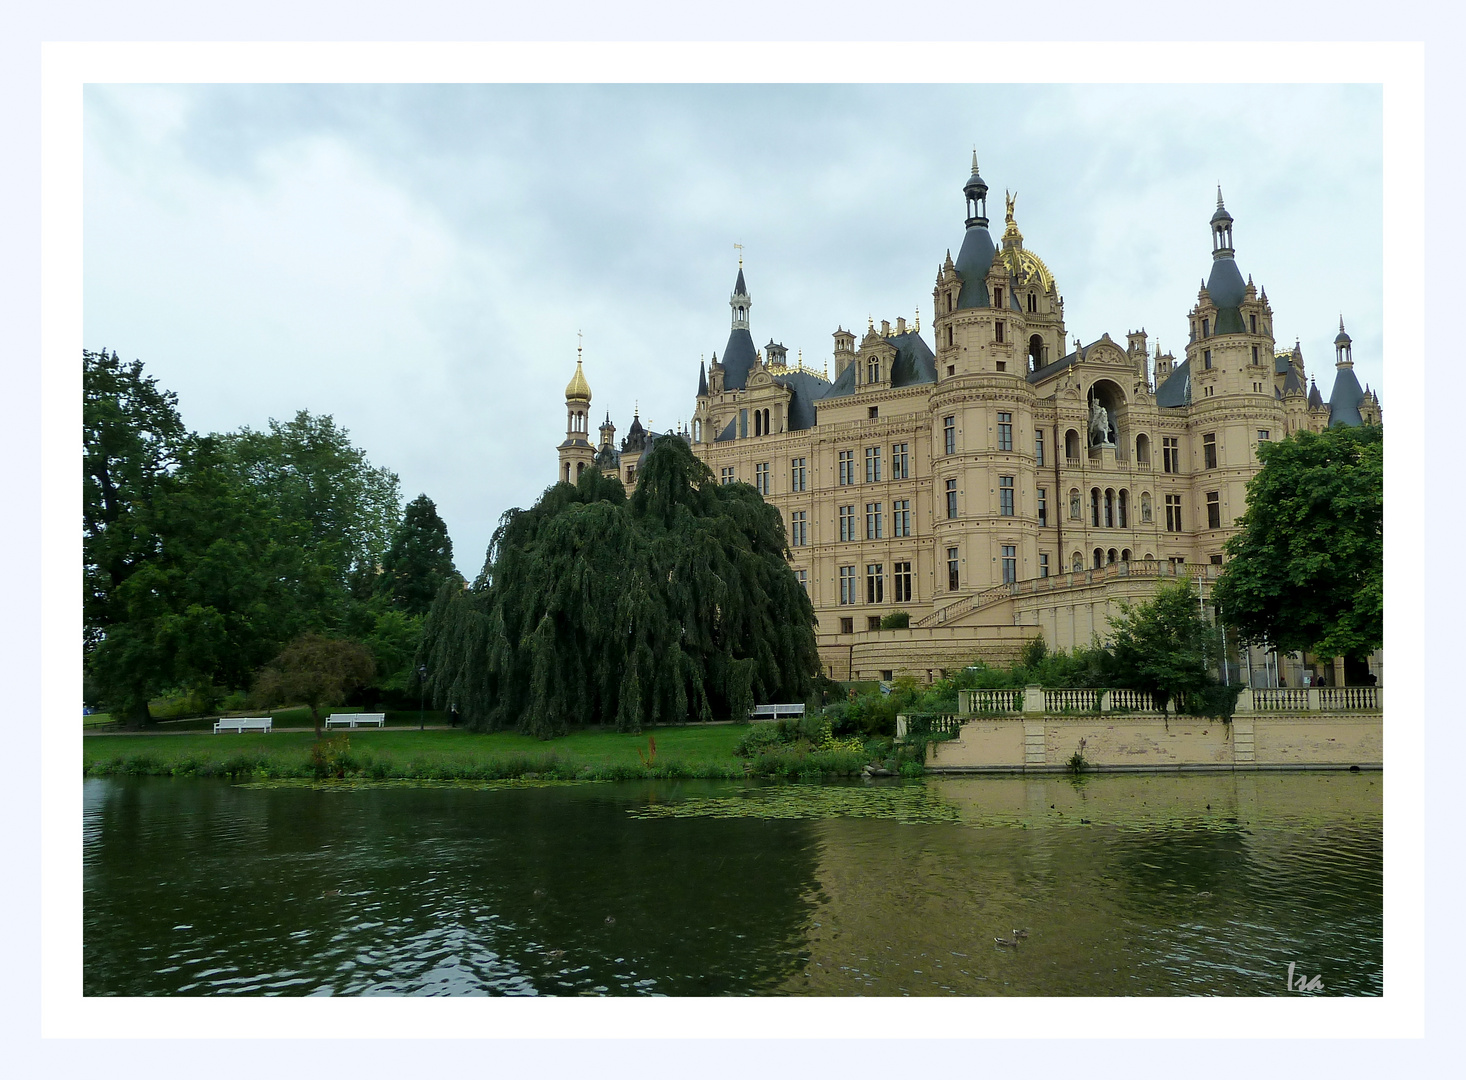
{"x": 1049, "y": 742}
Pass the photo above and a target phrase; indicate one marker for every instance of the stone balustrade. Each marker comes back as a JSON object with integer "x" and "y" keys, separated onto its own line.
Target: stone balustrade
{"x": 1034, "y": 700}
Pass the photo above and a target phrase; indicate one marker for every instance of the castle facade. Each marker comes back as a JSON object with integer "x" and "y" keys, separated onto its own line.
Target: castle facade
{"x": 997, "y": 479}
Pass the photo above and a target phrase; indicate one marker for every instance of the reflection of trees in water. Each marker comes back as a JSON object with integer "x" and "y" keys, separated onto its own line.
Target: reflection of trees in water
{"x": 513, "y": 887}
{"x": 1159, "y": 863}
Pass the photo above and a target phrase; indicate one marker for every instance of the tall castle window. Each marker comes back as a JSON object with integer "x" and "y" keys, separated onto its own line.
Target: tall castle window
{"x": 727, "y": 474}
{"x": 847, "y": 523}
{"x": 847, "y": 586}
{"x": 1206, "y": 328}
{"x": 761, "y": 477}
{"x": 952, "y": 577}
{"x": 998, "y": 331}
{"x": 1005, "y": 431}
{"x": 1171, "y": 453}
{"x": 873, "y": 521}
{"x": 796, "y": 474}
{"x": 1209, "y": 451}
{"x": 1253, "y": 320}
{"x": 1032, "y": 303}
{"x": 1038, "y": 446}
{"x": 1043, "y": 564}
{"x": 899, "y": 470}
{"x": 847, "y": 467}
{"x": 873, "y": 370}
{"x": 1206, "y": 359}
{"x": 998, "y": 300}
{"x": 798, "y": 528}
{"x": 1213, "y": 510}
{"x": 901, "y": 582}
{"x": 803, "y": 577}
{"x": 1173, "y": 513}
{"x": 1010, "y": 563}
{"x": 1005, "y": 496}
{"x": 951, "y": 499}
{"x": 949, "y": 434}
{"x": 872, "y": 464}
{"x": 1043, "y": 507}
{"x": 875, "y": 583}
{"x": 901, "y": 517}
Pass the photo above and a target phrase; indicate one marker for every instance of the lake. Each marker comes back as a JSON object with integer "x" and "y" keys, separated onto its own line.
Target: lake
{"x": 1125, "y": 884}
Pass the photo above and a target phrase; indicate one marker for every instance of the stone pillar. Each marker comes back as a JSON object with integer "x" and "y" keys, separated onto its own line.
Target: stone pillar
{"x": 1245, "y": 704}
{"x": 1338, "y": 671}
{"x": 1033, "y": 700}
{"x": 1102, "y": 699}
{"x": 1313, "y": 705}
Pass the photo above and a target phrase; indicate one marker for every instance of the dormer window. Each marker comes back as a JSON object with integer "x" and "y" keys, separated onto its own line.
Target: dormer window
{"x": 997, "y": 296}
{"x": 1253, "y": 320}
{"x": 1206, "y": 328}
{"x": 873, "y": 370}
{"x": 1032, "y": 303}
{"x": 998, "y": 330}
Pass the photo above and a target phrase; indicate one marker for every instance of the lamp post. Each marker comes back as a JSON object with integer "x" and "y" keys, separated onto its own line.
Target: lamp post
{"x": 422, "y": 691}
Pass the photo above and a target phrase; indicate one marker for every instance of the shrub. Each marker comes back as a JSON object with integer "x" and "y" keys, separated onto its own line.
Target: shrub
{"x": 896, "y": 620}
{"x": 330, "y": 758}
{"x": 758, "y": 738}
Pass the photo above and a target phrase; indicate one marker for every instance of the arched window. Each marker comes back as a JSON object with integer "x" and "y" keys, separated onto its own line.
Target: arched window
{"x": 1094, "y": 508}
{"x": 1125, "y": 555}
{"x": 579, "y": 470}
{"x": 767, "y": 429}
{"x": 1142, "y": 450}
{"x": 1099, "y": 558}
{"x": 1113, "y": 556}
{"x": 758, "y": 421}
{"x": 1032, "y": 303}
{"x": 1110, "y": 509}
{"x": 567, "y": 472}
{"x": 1071, "y": 445}
{"x": 1124, "y": 509}
{"x": 1035, "y": 348}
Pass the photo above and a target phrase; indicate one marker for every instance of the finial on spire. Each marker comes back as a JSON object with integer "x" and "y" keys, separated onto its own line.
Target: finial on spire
{"x": 974, "y": 158}
{"x": 579, "y": 345}
{"x": 1341, "y": 322}
{"x": 1219, "y": 197}
{"x": 740, "y": 255}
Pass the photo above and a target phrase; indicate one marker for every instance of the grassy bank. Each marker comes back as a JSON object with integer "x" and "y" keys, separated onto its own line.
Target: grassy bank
{"x": 681, "y": 752}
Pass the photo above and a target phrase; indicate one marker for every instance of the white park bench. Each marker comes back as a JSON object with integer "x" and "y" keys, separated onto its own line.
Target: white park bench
{"x": 775, "y": 712}
{"x": 356, "y": 719}
{"x": 241, "y": 724}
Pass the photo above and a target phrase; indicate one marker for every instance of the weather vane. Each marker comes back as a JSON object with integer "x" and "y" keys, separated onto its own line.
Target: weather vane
{"x": 740, "y": 255}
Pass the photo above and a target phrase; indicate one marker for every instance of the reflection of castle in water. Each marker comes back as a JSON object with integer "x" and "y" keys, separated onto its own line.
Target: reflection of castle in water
{"x": 1129, "y": 884}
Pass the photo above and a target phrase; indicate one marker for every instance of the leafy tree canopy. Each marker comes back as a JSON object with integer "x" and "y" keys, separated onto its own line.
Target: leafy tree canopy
{"x": 341, "y": 506}
{"x": 419, "y": 560}
{"x": 591, "y": 608}
{"x": 1307, "y": 569}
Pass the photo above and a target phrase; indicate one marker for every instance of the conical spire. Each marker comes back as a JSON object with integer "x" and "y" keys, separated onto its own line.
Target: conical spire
{"x": 702, "y": 379}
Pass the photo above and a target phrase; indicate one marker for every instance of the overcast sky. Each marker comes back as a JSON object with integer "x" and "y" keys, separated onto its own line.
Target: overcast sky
{"x": 416, "y": 260}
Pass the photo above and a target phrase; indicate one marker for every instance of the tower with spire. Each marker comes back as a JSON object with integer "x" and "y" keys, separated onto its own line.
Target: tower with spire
{"x": 576, "y": 452}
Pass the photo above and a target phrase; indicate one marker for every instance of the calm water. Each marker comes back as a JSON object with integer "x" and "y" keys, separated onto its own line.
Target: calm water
{"x": 1126, "y": 884}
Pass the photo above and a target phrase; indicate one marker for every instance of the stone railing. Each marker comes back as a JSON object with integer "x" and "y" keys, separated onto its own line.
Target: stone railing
{"x": 1038, "y": 700}
{"x": 1311, "y": 699}
{"x": 990, "y": 701}
{"x": 940, "y": 724}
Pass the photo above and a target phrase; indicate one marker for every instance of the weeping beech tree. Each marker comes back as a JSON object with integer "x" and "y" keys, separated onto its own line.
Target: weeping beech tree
{"x": 674, "y": 605}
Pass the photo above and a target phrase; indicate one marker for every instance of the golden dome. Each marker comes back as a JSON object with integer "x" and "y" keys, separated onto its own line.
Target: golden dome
{"x": 578, "y": 389}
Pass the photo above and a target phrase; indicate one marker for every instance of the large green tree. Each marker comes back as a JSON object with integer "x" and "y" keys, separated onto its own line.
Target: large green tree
{"x": 674, "y": 605}
{"x": 1165, "y": 646}
{"x": 324, "y": 487}
{"x": 419, "y": 560}
{"x": 1307, "y": 570}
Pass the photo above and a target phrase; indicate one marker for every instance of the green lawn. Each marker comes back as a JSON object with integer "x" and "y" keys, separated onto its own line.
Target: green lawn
{"x": 452, "y": 754}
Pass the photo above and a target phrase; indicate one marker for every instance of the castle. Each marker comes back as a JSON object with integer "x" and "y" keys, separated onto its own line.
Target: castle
{"x": 1002, "y": 480}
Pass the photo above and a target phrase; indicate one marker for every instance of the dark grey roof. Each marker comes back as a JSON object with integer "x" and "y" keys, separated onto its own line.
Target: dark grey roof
{"x": 740, "y": 289}
{"x": 1292, "y": 384}
{"x": 844, "y": 385}
{"x": 915, "y": 363}
{"x": 1175, "y": 392}
{"x": 1281, "y": 364}
{"x": 607, "y": 458}
{"x": 1221, "y": 214}
{"x": 577, "y": 440}
{"x": 730, "y": 432}
{"x": 973, "y": 263}
{"x": 1229, "y": 321}
{"x": 702, "y": 379}
{"x": 1225, "y": 283}
{"x": 804, "y": 390}
{"x": 1048, "y": 371}
{"x": 1344, "y": 401}
{"x": 1315, "y": 399}
{"x": 738, "y": 359}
